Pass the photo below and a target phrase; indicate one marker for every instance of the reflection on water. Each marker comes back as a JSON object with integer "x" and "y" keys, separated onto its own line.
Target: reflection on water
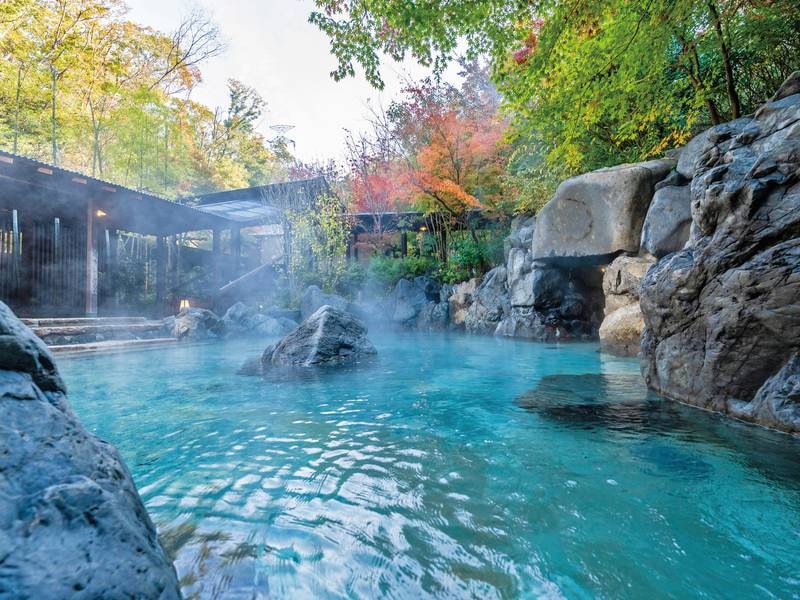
{"x": 451, "y": 467}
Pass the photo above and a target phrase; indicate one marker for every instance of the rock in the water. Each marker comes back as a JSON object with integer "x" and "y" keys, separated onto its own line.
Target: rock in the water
{"x": 240, "y": 320}
{"x": 621, "y": 331}
{"x": 460, "y": 300}
{"x": 723, "y": 315}
{"x": 434, "y": 316}
{"x": 597, "y": 215}
{"x": 408, "y": 299}
{"x": 622, "y": 280}
{"x": 313, "y": 298}
{"x": 489, "y": 303}
{"x": 666, "y": 226}
{"x": 777, "y": 402}
{"x": 72, "y": 523}
{"x": 195, "y": 324}
{"x": 328, "y": 337}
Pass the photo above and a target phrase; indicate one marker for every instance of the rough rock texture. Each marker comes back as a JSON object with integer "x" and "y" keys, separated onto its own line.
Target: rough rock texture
{"x": 489, "y": 303}
{"x": 666, "y": 226}
{"x": 621, "y": 331}
{"x": 408, "y": 299}
{"x": 622, "y": 279}
{"x": 519, "y": 268}
{"x": 313, "y": 298}
{"x": 597, "y": 215}
{"x": 434, "y": 316}
{"x": 460, "y": 300}
{"x": 194, "y": 324}
{"x": 777, "y": 402}
{"x": 723, "y": 315}
{"x": 241, "y": 320}
{"x": 328, "y": 337}
{"x": 71, "y": 522}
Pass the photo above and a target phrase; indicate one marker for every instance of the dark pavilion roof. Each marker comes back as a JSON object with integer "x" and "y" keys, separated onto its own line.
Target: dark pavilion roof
{"x": 39, "y": 188}
{"x": 263, "y": 204}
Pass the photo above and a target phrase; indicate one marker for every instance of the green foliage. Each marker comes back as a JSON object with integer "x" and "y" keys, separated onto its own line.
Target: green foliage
{"x": 82, "y": 87}
{"x": 319, "y": 237}
{"x": 469, "y": 257}
{"x": 587, "y": 84}
{"x": 386, "y": 271}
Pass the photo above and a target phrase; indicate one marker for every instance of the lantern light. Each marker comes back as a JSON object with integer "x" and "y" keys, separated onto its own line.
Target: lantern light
{"x": 100, "y": 213}
{"x": 184, "y": 304}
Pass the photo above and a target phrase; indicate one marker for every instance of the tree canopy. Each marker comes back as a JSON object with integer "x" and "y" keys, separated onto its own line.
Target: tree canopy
{"x": 587, "y": 83}
{"x": 83, "y": 87}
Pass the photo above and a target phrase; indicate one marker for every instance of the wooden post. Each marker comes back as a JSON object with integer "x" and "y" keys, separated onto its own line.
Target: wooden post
{"x": 91, "y": 264}
{"x": 113, "y": 266}
{"x": 403, "y": 244}
{"x": 236, "y": 251}
{"x": 355, "y": 246}
{"x": 161, "y": 274}
{"x": 216, "y": 257}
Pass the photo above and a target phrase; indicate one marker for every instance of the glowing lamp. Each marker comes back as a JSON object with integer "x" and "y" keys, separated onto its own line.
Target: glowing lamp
{"x": 184, "y": 304}
{"x": 100, "y": 213}
{"x": 423, "y": 228}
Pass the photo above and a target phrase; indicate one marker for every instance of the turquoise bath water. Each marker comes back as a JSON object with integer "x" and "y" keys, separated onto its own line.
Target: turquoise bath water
{"x": 453, "y": 467}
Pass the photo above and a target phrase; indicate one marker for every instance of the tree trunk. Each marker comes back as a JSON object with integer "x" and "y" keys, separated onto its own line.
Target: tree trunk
{"x": 53, "y": 117}
{"x": 730, "y": 84}
{"x": 17, "y": 108}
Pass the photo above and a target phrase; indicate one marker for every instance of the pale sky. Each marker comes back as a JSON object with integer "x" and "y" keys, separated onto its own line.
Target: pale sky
{"x": 272, "y": 47}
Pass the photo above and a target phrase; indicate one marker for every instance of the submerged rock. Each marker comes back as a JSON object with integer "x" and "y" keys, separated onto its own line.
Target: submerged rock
{"x": 723, "y": 315}
{"x": 328, "y": 337}
{"x": 72, "y": 524}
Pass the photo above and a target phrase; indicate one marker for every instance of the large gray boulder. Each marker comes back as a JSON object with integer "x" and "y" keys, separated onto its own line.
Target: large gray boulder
{"x": 621, "y": 331}
{"x": 328, "y": 337}
{"x": 521, "y": 234}
{"x": 489, "y": 303}
{"x": 71, "y": 522}
{"x": 597, "y": 215}
{"x": 666, "y": 226}
{"x": 622, "y": 280}
{"x": 777, "y": 402}
{"x": 519, "y": 272}
{"x": 241, "y": 320}
{"x": 409, "y": 297}
{"x": 723, "y": 315}
{"x": 313, "y": 298}
{"x": 459, "y": 300}
{"x": 194, "y": 324}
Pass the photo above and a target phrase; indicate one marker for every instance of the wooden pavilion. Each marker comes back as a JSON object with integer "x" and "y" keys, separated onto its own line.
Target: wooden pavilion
{"x": 60, "y": 235}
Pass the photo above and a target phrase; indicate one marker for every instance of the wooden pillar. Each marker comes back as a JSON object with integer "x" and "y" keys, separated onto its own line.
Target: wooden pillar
{"x": 236, "y": 251}
{"x": 403, "y": 244}
{"x": 161, "y": 274}
{"x": 113, "y": 267}
{"x": 355, "y": 246}
{"x": 216, "y": 258}
{"x": 173, "y": 263}
{"x": 90, "y": 293}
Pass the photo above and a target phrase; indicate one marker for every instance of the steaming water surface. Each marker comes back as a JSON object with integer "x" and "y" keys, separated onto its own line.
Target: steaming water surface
{"x": 453, "y": 467}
